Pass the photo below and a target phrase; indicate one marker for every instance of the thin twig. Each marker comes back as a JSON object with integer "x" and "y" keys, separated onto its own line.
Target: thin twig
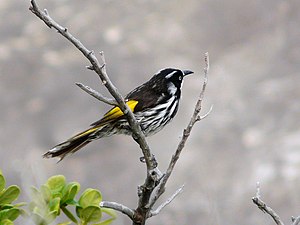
{"x": 163, "y": 205}
{"x": 186, "y": 133}
{"x": 296, "y": 221}
{"x": 97, "y": 95}
{"x": 201, "y": 117}
{"x": 263, "y": 206}
{"x": 119, "y": 207}
{"x": 266, "y": 209}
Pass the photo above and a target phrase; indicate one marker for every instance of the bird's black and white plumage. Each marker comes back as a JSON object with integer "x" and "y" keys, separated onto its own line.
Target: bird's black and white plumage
{"x": 154, "y": 104}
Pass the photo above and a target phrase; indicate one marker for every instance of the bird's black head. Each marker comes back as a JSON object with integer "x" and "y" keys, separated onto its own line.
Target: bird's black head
{"x": 169, "y": 80}
{"x": 174, "y": 75}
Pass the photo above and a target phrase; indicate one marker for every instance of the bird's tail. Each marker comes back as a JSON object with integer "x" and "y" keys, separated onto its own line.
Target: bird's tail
{"x": 71, "y": 145}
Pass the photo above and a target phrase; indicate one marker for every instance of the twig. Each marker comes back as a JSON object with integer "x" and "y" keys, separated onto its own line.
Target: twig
{"x": 296, "y": 220}
{"x": 263, "y": 206}
{"x": 163, "y": 205}
{"x": 119, "y": 207}
{"x": 97, "y": 95}
{"x": 186, "y": 133}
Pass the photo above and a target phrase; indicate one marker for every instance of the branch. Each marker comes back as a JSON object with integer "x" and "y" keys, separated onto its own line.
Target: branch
{"x": 186, "y": 133}
{"x": 118, "y": 207}
{"x": 138, "y": 135}
{"x": 97, "y": 95}
{"x": 169, "y": 200}
{"x": 263, "y": 207}
{"x": 295, "y": 221}
{"x": 154, "y": 177}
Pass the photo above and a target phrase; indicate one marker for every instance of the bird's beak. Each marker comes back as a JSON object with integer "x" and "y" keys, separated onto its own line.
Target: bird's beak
{"x": 187, "y": 72}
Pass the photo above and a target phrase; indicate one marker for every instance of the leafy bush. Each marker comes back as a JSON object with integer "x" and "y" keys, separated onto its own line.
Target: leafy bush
{"x": 8, "y": 211}
{"x": 52, "y": 198}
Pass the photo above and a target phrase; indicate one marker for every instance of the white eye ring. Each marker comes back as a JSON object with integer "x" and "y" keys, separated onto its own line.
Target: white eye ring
{"x": 180, "y": 77}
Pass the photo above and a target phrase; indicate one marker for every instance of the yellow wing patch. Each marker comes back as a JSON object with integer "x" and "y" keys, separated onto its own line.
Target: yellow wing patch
{"x": 116, "y": 112}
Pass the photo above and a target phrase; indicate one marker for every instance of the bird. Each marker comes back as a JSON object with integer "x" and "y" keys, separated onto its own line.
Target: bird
{"x": 154, "y": 104}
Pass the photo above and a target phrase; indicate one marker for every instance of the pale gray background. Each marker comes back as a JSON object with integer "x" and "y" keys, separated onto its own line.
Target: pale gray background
{"x": 253, "y": 133}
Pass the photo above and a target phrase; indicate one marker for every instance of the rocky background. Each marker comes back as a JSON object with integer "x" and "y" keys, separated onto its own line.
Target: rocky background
{"x": 253, "y": 133}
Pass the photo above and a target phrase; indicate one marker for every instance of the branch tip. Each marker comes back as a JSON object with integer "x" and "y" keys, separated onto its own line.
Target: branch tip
{"x": 167, "y": 202}
{"x": 96, "y": 94}
{"x": 199, "y": 117}
{"x": 263, "y": 206}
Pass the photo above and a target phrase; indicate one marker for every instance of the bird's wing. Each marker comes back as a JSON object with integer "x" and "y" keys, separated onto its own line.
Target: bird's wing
{"x": 114, "y": 114}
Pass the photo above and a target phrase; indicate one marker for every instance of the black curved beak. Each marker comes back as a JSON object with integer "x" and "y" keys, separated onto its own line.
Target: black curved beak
{"x": 187, "y": 72}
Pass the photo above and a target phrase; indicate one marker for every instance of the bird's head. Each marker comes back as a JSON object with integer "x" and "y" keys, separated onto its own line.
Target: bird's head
{"x": 172, "y": 78}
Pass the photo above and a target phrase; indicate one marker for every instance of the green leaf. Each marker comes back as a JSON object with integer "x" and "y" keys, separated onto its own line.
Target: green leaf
{"x": 10, "y": 214}
{"x": 20, "y": 204}
{"x": 91, "y": 214}
{"x": 65, "y": 223}
{"x": 6, "y": 206}
{"x": 6, "y": 222}
{"x": 56, "y": 183}
{"x": 13, "y": 214}
{"x": 54, "y": 206}
{"x": 2, "y": 182}
{"x": 45, "y": 192}
{"x": 78, "y": 210}
{"x": 69, "y": 191}
{"x": 90, "y": 197}
{"x": 110, "y": 212}
{"x": 10, "y": 194}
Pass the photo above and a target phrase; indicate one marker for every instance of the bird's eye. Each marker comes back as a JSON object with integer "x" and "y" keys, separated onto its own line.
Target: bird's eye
{"x": 180, "y": 77}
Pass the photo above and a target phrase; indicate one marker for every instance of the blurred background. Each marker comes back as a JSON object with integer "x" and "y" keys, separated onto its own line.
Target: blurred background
{"x": 253, "y": 133}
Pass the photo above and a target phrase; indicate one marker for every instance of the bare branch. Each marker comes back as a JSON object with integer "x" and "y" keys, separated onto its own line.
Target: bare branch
{"x": 97, "y": 95}
{"x": 186, "y": 133}
{"x": 163, "y": 205}
{"x": 138, "y": 135}
{"x": 263, "y": 206}
{"x": 119, "y": 207}
{"x": 296, "y": 221}
{"x": 154, "y": 176}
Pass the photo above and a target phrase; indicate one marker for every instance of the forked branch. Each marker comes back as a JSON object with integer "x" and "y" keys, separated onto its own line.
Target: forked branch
{"x": 155, "y": 182}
